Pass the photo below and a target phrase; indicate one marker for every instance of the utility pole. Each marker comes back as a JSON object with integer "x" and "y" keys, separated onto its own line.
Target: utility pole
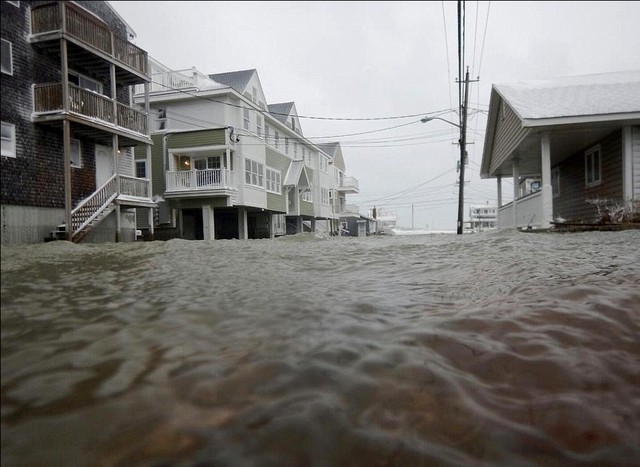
{"x": 463, "y": 155}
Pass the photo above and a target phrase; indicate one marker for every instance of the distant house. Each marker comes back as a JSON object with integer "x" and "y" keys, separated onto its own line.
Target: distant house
{"x": 68, "y": 123}
{"x": 226, "y": 164}
{"x": 571, "y": 145}
{"x": 481, "y": 218}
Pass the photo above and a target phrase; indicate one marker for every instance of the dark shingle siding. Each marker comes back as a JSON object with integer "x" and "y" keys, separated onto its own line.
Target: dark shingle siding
{"x": 35, "y": 177}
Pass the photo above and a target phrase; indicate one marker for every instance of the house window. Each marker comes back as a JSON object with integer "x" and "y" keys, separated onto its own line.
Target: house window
{"x": 555, "y": 182}
{"x": 293, "y": 124}
{"x": 273, "y": 181}
{"x": 277, "y": 139}
{"x": 8, "y": 140}
{"x": 141, "y": 169}
{"x": 247, "y": 119}
{"x": 253, "y": 172}
{"x": 286, "y": 145}
{"x": 295, "y": 150}
{"x": 162, "y": 119}
{"x": 307, "y": 195}
{"x": 207, "y": 163}
{"x": 323, "y": 164}
{"x": 259, "y": 126}
{"x": 267, "y": 135}
{"x": 592, "y": 166}
{"x": 7, "y": 57}
{"x": 85, "y": 82}
{"x": 76, "y": 151}
{"x": 324, "y": 194}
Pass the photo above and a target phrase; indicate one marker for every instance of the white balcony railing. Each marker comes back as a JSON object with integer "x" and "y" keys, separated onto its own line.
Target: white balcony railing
{"x": 135, "y": 187}
{"x": 528, "y": 212}
{"x": 189, "y": 180}
{"x": 349, "y": 184}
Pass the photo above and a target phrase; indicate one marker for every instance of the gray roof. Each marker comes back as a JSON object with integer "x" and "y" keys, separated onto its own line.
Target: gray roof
{"x": 329, "y": 148}
{"x": 296, "y": 175}
{"x": 281, "y": 111}
{"x": 574, "y": 96}
{"x": 237, "y": 80}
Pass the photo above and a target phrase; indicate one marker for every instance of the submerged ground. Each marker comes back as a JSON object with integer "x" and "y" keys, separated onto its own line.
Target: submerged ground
{"x": 500, "y": 348}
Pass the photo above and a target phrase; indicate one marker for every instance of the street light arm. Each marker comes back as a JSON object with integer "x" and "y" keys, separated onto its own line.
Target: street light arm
{"x": 427, "y": 119}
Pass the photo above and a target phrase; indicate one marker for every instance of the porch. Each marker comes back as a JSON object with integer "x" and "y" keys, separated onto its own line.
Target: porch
{"x": 523, "y": 213}
{"x": 349, "y": 185}
{"x": 86, "y": 33}
{"x": 92, "y": 108}
{"x": 200, "y": 183}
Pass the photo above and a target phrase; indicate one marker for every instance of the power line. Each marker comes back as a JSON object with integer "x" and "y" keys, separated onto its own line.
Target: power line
{"x": 484, "y": 36}
{"x": 267, "y": 112}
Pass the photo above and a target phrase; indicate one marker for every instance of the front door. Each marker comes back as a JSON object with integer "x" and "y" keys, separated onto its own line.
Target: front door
{"x": 105, "y": 166}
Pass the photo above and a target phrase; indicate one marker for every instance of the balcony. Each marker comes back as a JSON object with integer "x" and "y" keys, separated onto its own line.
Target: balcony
{"x": 86, "y": 33}
{"x": 93, "y": 109}
{"x": 174, "y": 80}
{"x": 349, "y": 185}
{"x": 195, "y": 183}
{"x": 528, "y": 214}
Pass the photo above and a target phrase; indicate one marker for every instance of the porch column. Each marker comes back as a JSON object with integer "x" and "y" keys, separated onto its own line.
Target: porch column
{"x": 547, "y": 191}
{"x": 313, "y": 224}
{"x": 118, "y": 223}
{"x": 242, "y": 224}
{"x": 66, "y": 136}
{"x": 208, "y": 223}
{"x": 499, "y": 183}
{"x": 270, "y": 223}
{"x": 627, "y": 164}
{"x": 151, "y": 222}
{"x": 516, "y": 190}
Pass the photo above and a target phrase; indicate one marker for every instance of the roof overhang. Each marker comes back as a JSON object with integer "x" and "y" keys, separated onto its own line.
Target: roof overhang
{"x": 520, "y": 138}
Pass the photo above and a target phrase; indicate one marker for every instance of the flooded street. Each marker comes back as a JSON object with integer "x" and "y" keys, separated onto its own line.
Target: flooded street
{"x": 500, "y": 348}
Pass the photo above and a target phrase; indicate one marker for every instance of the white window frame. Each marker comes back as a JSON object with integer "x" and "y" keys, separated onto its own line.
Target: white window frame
{"x": 259, "y": 125}
{"x": 254, "y": 173}
{"x": 286, "y": 145}
{"x": 273, "y": 180}
{"x": 267, "y": 134}
{"x": 590, "y": 167}
{"x": 8, "y": 140}
{"x": 555, "y": 182}
{"x": 277, "y": 139}
{"x": 161, "y": 120}
{"x": 7, "y": 70}
{"x": 308, "y": 195}
{"x": 76, "y": 153}
{"x": 324, "y": 195}
{"x": 247, "y": 118}
{"x": 141, "y": 163}
{"x": 83, "y": 80}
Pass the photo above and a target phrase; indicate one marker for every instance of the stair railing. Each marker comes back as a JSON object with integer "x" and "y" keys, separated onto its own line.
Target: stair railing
{"x": 90, "y": 208}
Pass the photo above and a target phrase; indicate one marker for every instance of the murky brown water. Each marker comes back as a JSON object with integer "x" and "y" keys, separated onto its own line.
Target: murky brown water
{"x": 496, "y": 349}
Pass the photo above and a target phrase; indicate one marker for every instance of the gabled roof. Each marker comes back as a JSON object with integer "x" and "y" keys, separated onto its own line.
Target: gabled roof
{"x": 335, "y": 151}
{"x": 237, "y": 80}
{"x": 281, "y": 111}
{"x": 574, "y": 96}
{"x": 574, "y": 110}
{"x": 297, "y": 175}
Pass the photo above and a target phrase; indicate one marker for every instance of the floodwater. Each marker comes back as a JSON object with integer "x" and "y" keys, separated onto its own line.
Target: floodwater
{"x": 492, "y": 349}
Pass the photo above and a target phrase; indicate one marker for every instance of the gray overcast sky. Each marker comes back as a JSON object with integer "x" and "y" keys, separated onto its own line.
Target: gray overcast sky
{"x": 380, "y": 59}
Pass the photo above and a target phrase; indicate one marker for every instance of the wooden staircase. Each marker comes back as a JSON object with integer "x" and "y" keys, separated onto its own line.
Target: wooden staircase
{"x": 89, "y": 212}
